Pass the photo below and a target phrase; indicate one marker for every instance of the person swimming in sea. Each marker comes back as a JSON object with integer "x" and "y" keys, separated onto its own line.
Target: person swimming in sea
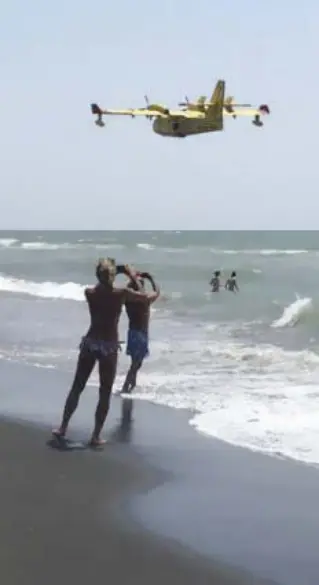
{"x": 137, "y": 338}
{"x": 231, "y": 283}
{"x": 101, "y": 342}
{"x": 215, "y": 281}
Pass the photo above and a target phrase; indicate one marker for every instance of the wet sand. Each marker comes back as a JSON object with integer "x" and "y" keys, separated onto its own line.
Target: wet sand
{"x": 161, "y": 501}
{"x": 59, "y": 519}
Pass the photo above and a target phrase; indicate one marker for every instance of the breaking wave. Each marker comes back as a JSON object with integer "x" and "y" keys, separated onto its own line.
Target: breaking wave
{"x": 293, "y": 313}
{"x": 47, "y": 290}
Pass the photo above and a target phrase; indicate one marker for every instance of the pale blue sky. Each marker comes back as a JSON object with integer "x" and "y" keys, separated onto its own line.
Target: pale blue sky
{"x": 58, "y": 170}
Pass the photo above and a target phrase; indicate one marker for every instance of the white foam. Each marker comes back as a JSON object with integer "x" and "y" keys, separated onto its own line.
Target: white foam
{"x": 282, "y": 252}
{"x": 7, "y": 242}
{"x": 42, "y": 246}
{"x": 46, "y": 290}
{"x": 293, "y": 313}
{"x": 145, "y": 246}
{"x": 108, "y": 246}
{"x": 260, "y": 397}
{"x": 286, "y": 424}
{"x": 260, "y": 252}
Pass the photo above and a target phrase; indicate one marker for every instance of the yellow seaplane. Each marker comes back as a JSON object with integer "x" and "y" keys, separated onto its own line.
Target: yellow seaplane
{"x": 192, "y": 118}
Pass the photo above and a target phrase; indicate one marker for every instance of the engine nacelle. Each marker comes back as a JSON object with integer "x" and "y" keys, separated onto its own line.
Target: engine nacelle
{"x": 257, "y": 121}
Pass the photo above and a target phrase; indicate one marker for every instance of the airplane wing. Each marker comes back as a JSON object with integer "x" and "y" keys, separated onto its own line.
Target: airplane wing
{"x": 194, "y": 115}
{"x": 153, "y": 111}
{"x": 134, "y": 112}
{"x": 252, "y": 112}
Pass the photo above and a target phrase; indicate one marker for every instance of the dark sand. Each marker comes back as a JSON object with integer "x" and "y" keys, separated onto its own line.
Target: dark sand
{"x": 160, "y": 502}
{"x": 58, "y": 527}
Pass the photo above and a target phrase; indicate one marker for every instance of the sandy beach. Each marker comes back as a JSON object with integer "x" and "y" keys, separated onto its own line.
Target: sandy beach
{"x": 159, "y": 502}
{"x": 58, "y": 523}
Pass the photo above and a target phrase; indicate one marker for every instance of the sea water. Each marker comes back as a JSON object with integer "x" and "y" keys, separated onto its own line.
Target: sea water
{"x": 245, "y": 365}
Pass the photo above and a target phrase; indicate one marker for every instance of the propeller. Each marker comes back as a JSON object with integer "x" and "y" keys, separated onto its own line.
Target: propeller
{"x": 184, "y": 103}
{"x": 201, "y": 102}
{"x": 147, "y": 107}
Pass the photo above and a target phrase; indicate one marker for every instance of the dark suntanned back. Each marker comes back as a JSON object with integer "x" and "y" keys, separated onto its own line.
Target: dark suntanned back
{"x": 105, "y": 310}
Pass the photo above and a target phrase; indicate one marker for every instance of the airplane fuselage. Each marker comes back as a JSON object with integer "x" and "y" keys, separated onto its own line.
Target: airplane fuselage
{"x": 182, "y": 127}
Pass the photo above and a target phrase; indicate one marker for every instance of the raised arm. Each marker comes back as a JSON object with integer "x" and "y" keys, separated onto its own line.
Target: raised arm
{"x": 133, "y": 296}
{"x": 155, "y": 286}
{"x": 133, "y": 277}
{"x": 139, "y": 296}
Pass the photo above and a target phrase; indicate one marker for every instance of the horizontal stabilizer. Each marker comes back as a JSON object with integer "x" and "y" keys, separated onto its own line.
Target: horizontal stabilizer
{"x": 95, "y": 109}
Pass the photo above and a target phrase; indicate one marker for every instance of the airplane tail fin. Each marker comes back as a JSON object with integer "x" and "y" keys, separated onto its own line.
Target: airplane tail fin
{"x": 218, "y": 95}
{"x": 216, "y": 103}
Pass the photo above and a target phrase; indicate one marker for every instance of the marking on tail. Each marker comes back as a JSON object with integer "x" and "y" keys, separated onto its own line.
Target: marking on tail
{"x": 216, "y": 103}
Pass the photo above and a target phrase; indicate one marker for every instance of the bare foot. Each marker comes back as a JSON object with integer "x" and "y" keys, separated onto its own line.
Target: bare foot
{"x": 96, "y": 442}
{"x": 58, "y": 433}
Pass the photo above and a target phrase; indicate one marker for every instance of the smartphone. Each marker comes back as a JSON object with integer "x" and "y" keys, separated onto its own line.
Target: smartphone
{"x": 120, "y": 269}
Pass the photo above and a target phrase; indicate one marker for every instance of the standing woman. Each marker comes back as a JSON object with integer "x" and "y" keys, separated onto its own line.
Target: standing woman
{"x": 101, "y": 342}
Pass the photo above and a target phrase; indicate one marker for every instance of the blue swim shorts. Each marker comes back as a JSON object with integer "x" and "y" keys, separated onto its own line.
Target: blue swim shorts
{"x": 137, "y": 345}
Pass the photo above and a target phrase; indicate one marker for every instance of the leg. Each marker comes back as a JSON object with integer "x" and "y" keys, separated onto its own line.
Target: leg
{"x": 85, "y": 365}
{"x": 107, "y": 372}
{"x": 130, "y": 381}
{"x": 137, "y": 348}
{"x": 136, "y": 366}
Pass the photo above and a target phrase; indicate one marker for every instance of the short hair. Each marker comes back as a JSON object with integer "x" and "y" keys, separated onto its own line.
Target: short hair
{"x": 133, "y": 284}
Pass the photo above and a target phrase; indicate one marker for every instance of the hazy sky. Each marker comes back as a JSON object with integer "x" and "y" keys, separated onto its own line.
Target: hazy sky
{"x": 58, "y": 170}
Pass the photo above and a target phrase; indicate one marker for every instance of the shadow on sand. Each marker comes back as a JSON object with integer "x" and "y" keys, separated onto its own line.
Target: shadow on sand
{"x": 123, "y": 431}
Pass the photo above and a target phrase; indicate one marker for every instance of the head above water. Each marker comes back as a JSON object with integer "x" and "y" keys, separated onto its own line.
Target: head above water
{"x": 217, "y": 273}
{"x": 106, "y": 271}
{"x": 233, "y": 274}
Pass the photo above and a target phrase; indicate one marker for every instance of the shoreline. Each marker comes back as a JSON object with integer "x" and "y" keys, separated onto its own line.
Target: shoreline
{"x": 225, "y": 505}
